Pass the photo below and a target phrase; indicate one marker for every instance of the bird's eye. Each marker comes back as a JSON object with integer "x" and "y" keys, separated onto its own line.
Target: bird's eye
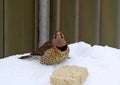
{"x": 61, "y": 36}
{"x": 55, "y": 37}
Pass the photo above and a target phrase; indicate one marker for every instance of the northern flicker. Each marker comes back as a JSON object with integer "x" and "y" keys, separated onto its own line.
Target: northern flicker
{"x": 52, "y": 52}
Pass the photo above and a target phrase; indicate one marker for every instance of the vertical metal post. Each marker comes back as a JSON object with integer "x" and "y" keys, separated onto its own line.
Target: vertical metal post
{"x": 44, "y": 13}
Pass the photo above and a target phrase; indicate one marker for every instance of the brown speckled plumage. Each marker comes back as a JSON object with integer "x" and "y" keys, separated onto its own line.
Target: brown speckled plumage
{"x": 54, "y": 55}
{"x": 52, "y": 52}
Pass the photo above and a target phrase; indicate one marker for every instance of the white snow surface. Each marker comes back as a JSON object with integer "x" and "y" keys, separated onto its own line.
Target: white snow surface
{"x": 102, "y": 62}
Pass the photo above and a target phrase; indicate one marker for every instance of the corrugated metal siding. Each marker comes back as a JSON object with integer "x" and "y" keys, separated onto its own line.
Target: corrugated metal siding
{"x": 1, "y": 28}
{"x": 19, "y": 26}
{"x": 36, "y": 24}
{"x": 95, "y": 22}
{"x": 66, "y": 20}
{"x": 109, "y": 22}
{"x": 88, "y": 21}
{"x": 55, "y": 16}
{"x": 17, "y": 23}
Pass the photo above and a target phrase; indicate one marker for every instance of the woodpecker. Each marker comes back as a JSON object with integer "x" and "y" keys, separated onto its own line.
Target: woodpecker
{"x": 52, "y": 52}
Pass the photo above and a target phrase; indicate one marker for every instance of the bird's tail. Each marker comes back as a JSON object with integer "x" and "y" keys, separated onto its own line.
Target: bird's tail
{"x": 26, "y": 57}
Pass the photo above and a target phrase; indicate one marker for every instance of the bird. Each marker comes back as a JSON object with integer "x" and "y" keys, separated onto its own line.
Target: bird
{"x": 53, "y": 51}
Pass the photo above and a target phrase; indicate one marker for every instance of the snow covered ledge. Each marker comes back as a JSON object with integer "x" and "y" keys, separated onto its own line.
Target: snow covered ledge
{"x": 69, "y": 75}
{"x": 102, "y": 62}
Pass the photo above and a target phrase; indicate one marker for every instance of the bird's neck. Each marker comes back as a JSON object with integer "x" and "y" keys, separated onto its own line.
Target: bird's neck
{"x": 63, "y": 48}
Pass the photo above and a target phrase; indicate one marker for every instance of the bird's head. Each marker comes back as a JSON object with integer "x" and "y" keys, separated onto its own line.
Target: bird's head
{"x": 58, "y": 39}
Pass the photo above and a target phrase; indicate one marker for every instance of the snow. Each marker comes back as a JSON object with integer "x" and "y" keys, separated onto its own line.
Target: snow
{"x": 102, "y": 62}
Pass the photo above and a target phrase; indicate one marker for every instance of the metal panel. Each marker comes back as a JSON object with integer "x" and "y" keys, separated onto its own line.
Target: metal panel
{"x": 109, "y": 22}
{"x": 88, "y": 22}
{"x": 96, "y": 21}
{"x": 19, "y": 26}
{"x": 36, "y": 30}
{"x": 118, "y": 24}
{"x": 68, "y": 19}
{"x": 53, "y": 16}
{"x": 1, "y": 28}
